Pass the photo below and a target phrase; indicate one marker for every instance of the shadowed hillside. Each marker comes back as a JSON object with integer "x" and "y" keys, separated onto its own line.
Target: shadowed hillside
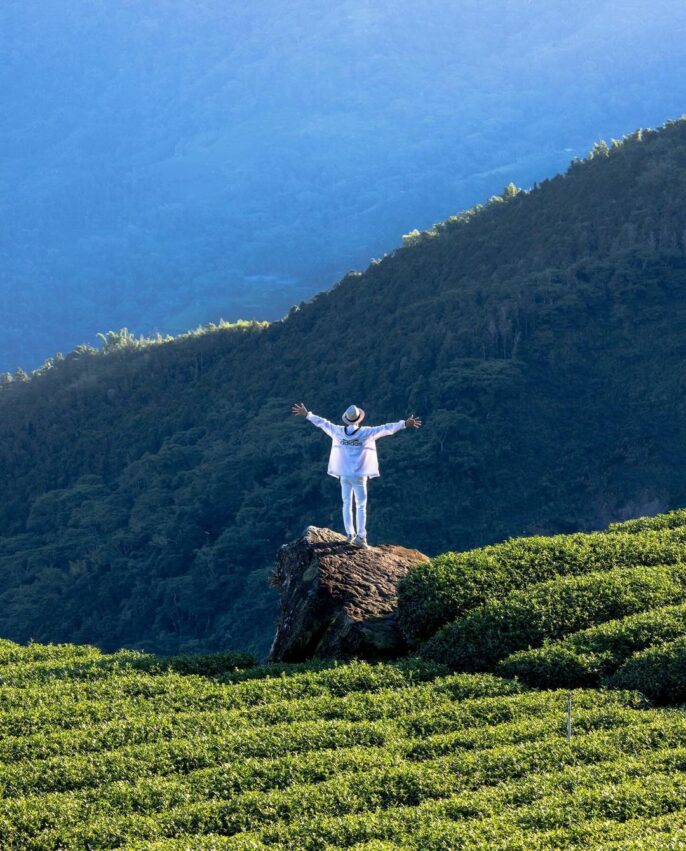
{"x": 541, "y": 336}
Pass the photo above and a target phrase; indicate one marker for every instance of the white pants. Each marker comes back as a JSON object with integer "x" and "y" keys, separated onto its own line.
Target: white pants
{"x": 354, "y": 485}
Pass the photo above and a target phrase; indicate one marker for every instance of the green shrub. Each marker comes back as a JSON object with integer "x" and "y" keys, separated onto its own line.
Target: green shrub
{"x": 585, "y": 658}
{"x": 672, "y": 520}
{"x": 11, "y": 652}
{"x": 658, "y": 672}
{"x": 434, "y": 594}
{"x": 208, "y": 665}
{"x": 555, "y": 663}
{"x": 400, "y": 784}
{"x": 551, "y": 610}
{"x": 406, "y": 669}
{"x": 24, "y": 693}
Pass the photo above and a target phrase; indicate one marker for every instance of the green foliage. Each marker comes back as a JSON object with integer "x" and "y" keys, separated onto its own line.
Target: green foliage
{"x": 557, "y": 663}
{"x": 208, "y": 665}
{"x": 106, "y": 751}
{"x": 659, "y": 671}
{"x": 586, "y": 657}
{"x": 435, "y": 593}
{"x": 599, "y": 149}
{"x": 147, "y": 486}
{"x": 609, "y": 615}
{"x": 551, "y": 610}
{"x": 671, "y": 520}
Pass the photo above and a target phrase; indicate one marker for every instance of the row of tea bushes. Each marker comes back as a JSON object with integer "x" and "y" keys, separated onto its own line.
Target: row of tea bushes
{"x": 551, "y": 610}
{"x": 434, "y": 594}
{"x": 587, "y": 657}
{"x": 659, "y": 671}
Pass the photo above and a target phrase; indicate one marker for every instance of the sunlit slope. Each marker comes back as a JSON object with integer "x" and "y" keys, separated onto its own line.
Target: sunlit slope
{"x": 118, "y": 751}
{"x": 230, "y": 163}
{"x": 577, "y": 610}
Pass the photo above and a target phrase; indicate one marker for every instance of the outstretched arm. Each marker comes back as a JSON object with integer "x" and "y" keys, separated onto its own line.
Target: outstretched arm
{"x": 300, "y": 410}
{"x": 391, "y": 428}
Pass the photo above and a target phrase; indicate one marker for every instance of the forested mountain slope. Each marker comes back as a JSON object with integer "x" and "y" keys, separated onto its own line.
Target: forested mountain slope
{"x": 541, "y": 336}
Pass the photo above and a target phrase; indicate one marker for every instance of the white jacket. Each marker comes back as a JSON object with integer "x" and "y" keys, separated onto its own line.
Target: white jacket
{"x": 353, "y": 449}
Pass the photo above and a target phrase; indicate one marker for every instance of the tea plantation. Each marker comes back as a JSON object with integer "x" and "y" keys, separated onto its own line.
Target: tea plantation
{"x": 461, "y": 746}
{"x": 600, "y": 609}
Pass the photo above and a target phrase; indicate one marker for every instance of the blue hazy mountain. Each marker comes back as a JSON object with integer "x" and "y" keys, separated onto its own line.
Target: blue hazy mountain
{"x": 165, "y": 163}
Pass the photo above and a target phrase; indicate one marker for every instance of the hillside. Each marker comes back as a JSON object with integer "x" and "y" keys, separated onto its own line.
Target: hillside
{"x": 97, "y": 753}
{"x": 541, "y": 336}
{"x": 603, "y": 609}
{"x": 164, "y": 164}
{"x": 201, "y": 753}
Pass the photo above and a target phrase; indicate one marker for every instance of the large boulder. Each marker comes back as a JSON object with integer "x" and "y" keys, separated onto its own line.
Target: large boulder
{"x": 338, "y": 602}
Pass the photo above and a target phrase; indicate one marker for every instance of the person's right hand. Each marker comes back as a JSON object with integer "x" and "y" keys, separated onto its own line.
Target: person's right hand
{"x": 412, "y": 422}
{"x": 300, "y": 410}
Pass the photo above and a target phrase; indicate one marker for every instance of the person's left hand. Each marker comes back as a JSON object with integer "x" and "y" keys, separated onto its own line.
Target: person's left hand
{"x": 412, "y": 422}
{"x": 300, "y": 410}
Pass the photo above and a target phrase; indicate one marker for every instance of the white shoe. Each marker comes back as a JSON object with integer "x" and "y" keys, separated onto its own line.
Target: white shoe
{"x": 350, "y": 538}
{"x": 360, "y": 542}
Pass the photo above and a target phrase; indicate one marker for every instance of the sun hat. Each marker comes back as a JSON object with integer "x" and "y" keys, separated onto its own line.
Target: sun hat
{"x": 353, "y": 415}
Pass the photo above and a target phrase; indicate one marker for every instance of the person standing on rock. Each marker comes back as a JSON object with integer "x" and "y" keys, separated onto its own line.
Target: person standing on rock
{"x": 353, "y": 460}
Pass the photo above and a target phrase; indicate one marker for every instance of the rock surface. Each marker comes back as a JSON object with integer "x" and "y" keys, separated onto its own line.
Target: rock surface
{"x": 338, "y": 601}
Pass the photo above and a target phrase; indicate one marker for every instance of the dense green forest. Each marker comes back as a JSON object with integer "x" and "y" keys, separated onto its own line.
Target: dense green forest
{"x": 579, "y": 742}
{"x": 540, "y": 335}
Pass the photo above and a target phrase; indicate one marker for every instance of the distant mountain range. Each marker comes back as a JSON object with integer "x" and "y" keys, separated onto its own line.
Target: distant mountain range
{"x": 164, "y": 164}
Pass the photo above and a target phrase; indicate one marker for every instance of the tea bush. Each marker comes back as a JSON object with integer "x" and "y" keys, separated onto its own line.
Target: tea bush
{"x": 551, "y": 610}
{"x": 356, "y": 755}
{"x": 434, "y": 594}
{"x": 660, "y": 672}
{"x": 586, "y": 657}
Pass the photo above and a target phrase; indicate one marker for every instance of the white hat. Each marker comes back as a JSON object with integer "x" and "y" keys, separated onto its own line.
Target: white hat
{"x": 353, "y": 415}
